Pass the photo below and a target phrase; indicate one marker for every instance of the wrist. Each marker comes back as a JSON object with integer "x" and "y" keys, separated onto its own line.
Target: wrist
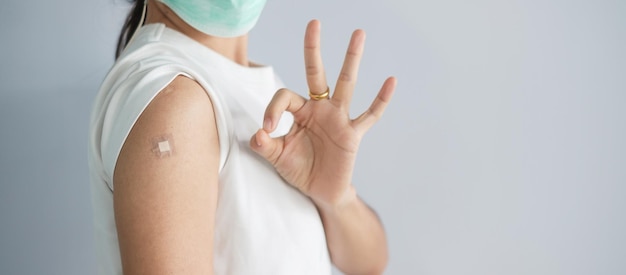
{"x": 343, "y": 201}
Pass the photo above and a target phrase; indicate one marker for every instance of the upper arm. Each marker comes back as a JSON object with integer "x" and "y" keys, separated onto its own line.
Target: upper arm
{"x": 165, "y": 203}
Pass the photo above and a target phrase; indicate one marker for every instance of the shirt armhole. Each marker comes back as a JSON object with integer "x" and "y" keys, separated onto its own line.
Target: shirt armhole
{"x": 132, "y": 99}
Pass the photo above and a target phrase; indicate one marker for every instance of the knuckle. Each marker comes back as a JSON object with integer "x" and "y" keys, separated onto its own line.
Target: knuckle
{"x": 282, "y": 92}
{"x": 374, "y": 114}
{"x": 312, "y": 70}
{"x": 344, "y": 76}
{"x": 353, "y": 53}
{"x": 274, "y": 155}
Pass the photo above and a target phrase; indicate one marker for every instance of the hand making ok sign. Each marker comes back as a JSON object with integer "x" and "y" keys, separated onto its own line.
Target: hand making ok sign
{"x": 317, "y": 156}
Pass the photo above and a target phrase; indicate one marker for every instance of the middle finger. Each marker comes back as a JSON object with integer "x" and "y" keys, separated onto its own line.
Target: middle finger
{"x": 315, "y": 76}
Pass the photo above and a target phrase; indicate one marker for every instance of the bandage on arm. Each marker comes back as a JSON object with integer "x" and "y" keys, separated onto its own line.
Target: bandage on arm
{"x": 162, "y": 146}
{"x": 165, "y": 184}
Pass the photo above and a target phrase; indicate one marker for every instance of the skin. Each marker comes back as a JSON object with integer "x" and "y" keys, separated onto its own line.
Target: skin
{"x": 165, "y": 205}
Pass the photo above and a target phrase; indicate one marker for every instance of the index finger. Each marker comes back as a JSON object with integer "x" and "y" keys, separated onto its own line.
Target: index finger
{"x": 315, "y": 75}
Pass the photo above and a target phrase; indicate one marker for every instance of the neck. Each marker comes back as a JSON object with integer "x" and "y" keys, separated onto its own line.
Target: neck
{"x": 233, "y": 48}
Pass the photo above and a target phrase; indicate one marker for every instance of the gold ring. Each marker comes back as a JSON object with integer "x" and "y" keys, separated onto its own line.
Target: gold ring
{"x": 317, "y": 97}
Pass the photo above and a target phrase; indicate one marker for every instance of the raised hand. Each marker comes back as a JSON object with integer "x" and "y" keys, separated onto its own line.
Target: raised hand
{"x": 317, "y": 156}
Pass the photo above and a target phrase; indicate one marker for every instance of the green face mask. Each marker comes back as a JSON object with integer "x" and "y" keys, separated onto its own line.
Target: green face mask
{"x": 218, "y": 17}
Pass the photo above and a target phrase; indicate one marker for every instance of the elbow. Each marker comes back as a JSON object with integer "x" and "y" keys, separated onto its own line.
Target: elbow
{"x": 376, "y": 266}
{"x": 379, "y": 267}
{"x": 379, "y": 264}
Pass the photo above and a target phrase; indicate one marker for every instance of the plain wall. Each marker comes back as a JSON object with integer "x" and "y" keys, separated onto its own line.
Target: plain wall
{"x": 502, "y": 152}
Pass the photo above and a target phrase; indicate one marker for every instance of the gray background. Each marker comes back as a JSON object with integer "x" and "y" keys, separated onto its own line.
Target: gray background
{"x": 503, "y": 151}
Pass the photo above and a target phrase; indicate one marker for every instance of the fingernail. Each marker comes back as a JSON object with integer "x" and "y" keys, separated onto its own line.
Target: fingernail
{"x": 267, "y": 125}
{"x": 256, "y": 139}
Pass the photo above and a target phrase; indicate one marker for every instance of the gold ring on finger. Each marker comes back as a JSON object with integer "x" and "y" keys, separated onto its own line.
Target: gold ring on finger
{"x": 317, "y": 97}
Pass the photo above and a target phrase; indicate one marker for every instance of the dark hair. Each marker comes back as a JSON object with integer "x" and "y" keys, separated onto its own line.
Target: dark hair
{"x": 131, "y": 24}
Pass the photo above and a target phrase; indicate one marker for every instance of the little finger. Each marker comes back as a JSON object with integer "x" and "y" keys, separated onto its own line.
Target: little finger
{"x": 366, "y": 120}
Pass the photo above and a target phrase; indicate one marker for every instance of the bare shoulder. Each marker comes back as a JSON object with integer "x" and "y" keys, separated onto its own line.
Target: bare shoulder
{"x": 181, "y": 114}
{"x": 165, "y": 183}
{"x": 183, "y": 99}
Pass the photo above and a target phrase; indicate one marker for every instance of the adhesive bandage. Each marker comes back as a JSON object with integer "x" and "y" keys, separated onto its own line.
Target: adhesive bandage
{"x": 162, "y": 146}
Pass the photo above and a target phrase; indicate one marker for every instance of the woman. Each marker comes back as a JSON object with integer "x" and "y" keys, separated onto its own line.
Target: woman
{"x": 185, "y": 176}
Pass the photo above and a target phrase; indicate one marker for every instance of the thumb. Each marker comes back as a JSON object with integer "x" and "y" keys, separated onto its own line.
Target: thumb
{"x": 269, "y": 148}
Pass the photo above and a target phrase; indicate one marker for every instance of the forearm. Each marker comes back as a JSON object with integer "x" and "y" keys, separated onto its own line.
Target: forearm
{"x": 355, "y": 237}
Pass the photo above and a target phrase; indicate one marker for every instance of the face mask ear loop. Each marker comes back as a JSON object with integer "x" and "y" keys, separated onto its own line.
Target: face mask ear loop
{"x": 141, "y": 20}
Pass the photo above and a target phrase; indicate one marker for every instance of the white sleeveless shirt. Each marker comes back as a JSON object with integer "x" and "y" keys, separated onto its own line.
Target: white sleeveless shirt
{"x": 263, "y": 225}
